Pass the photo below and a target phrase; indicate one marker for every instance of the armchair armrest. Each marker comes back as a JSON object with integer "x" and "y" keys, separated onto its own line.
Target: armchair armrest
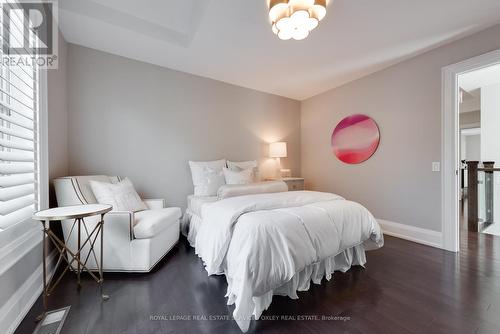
{"x": 155, "y": 203}
{"x": 117, "y": 220}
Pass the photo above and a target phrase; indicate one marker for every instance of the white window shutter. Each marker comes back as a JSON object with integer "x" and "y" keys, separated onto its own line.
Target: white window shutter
{"x": 18, "y": 137}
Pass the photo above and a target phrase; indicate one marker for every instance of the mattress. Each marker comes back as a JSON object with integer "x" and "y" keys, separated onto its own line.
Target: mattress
{"x": 191, "y": 220}
{"x": 194, "y": 203}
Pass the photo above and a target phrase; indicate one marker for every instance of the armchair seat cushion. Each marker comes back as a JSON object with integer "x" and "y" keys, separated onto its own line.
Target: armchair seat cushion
{"x": 149, "y": 223}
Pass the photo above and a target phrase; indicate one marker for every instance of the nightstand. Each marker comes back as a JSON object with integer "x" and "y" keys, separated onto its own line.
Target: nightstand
{"x": 294, "y": 183}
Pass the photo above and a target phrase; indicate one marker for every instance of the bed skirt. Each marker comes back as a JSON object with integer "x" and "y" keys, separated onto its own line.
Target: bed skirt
{"x": 190, "y": 224}
{"x": 247, "y": 305}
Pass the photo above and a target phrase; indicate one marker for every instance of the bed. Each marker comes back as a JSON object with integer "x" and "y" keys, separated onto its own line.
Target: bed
{"x": 192, "y": 217}
{"x": 277, "y": 243}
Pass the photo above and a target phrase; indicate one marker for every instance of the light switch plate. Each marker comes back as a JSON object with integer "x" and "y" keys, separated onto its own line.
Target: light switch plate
{"x": 436, "y": 166}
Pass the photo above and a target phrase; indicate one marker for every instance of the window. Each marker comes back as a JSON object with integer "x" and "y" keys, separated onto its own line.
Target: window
{"x": 19, "y": 119}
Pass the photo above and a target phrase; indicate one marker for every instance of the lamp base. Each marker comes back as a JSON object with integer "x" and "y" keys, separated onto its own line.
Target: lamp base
{"x": 285, "y": 173}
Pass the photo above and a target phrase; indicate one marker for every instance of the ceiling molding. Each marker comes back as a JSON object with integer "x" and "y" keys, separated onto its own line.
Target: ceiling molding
{"x": 113, "y": 16}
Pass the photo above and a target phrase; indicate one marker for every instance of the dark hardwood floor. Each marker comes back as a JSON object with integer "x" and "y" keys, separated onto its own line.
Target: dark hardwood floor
{"x": 405, "y": 288}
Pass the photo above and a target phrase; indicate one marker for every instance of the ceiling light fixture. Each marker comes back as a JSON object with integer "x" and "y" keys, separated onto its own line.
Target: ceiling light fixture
{"x": 295, "y": 18}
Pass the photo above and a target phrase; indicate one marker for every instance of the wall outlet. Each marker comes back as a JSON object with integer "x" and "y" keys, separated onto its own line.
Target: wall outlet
{"x": 436, "y": 166}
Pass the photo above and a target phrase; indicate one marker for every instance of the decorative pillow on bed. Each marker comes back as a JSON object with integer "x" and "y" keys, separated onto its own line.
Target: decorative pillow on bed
{"x": 233, "y": 190}
{"x": 207, "y": 176}
{"x": 243, "y": 176}
{"x": 240, "y": 165}
{"x": 121, "y": 195}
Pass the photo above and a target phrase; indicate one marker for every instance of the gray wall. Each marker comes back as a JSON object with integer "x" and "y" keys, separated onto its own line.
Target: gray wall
{"x": 57, "y": 106}
{"x": 397, "y": 183}
{"x": 473, "y": 148}
{"x": 490, "y": 123}
{"x": 143, "y": 121}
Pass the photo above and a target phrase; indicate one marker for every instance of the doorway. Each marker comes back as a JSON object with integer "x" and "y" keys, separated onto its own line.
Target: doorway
{"x": 465, "y": 92}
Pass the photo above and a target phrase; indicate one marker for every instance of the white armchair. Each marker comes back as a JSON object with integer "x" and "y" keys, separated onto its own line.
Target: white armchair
{"x": 132, "y": 241}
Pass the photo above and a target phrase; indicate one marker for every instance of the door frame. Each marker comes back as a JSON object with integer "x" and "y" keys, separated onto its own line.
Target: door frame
{"x": 449, "y": 144}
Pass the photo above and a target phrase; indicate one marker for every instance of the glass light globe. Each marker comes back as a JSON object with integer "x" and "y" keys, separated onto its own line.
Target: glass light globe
{"x": 275, "y": 30}
{"x": 300, "y": 18}
{"x": 319, "y": 11}
{"x": 312, "y": 23}
{"x": 300, "y": 34}
{"x": 277, "y": 11}
{"x": 296, "y": 18}
{"x": 285, "y": 34}
{"x": 283, "y": 24}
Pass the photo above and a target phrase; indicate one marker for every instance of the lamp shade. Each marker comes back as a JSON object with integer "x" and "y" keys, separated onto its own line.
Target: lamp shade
{"x": 277, "y": 150}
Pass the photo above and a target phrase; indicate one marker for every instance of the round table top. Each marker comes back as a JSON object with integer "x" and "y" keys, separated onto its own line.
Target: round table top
{"x": 72, "y": 212}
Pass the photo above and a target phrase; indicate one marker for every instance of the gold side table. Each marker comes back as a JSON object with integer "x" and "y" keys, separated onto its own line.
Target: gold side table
{"x": 77, "y": 213}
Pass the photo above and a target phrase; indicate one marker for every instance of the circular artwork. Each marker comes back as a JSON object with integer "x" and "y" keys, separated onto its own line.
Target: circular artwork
{"x": 355, "y": 139}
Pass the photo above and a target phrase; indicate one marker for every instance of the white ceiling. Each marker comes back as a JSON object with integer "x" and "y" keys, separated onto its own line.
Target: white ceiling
{"x": 471, "y": 82}
{"x": 231, "y": 40}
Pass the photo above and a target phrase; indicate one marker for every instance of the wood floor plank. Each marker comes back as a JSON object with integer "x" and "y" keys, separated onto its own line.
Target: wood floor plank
{"x": 405, "y": 288}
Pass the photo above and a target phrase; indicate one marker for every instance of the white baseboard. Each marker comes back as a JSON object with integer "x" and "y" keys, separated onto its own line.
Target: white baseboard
{"x": 19, "y": 304}
{"x": 412, "y": 233}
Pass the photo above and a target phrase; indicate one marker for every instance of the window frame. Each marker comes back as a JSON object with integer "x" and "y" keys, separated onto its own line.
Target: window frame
{"x": 21, "y": 237}
{"x": 40, "y": 126}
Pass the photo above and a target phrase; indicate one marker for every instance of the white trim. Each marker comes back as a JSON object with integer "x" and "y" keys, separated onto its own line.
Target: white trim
{"x": 14, "y": 251}
{"x": 411, "y": 233}
{"x": 19, "y": 304}
{"x": 43, "y": 142}
{"x": 449, "y": 144}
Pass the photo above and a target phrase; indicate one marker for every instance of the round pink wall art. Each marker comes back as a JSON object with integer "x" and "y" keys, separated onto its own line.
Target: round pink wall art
{"x": 355, "y": 139}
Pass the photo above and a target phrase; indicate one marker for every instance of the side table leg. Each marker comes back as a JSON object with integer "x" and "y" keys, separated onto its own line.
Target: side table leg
{"x": 78, "y": 270}
{"x": 44, "y": 259}
{"x": 101, "y": 267}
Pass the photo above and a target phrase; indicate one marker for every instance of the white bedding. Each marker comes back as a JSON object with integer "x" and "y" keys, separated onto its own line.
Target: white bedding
{"x": 194, "y": 203}
{"x": 277, "y": 243}
{"x": 191, "y": 221}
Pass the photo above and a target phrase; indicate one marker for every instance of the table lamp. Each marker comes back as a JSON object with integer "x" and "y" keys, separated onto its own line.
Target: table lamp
{"x": 278, "y": 150}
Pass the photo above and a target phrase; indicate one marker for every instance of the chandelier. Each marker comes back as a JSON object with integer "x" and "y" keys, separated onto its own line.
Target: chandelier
{"x": 295, "y": 18}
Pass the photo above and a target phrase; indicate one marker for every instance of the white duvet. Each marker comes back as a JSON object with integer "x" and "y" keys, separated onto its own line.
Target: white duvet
{"x": 277, "y": 243}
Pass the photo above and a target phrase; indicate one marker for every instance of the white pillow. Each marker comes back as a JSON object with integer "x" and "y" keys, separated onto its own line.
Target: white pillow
{"x": 239, "y": 165}
{"x": 244, "y": 176}
{"x": 242, "y": 164}
{"x": 207, "y": 176}
{"x": 122, "y": 195}
{"x": 233, "y": 190}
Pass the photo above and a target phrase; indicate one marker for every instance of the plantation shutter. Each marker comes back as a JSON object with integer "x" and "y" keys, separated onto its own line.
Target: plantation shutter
{"x": 18, "y": 133}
